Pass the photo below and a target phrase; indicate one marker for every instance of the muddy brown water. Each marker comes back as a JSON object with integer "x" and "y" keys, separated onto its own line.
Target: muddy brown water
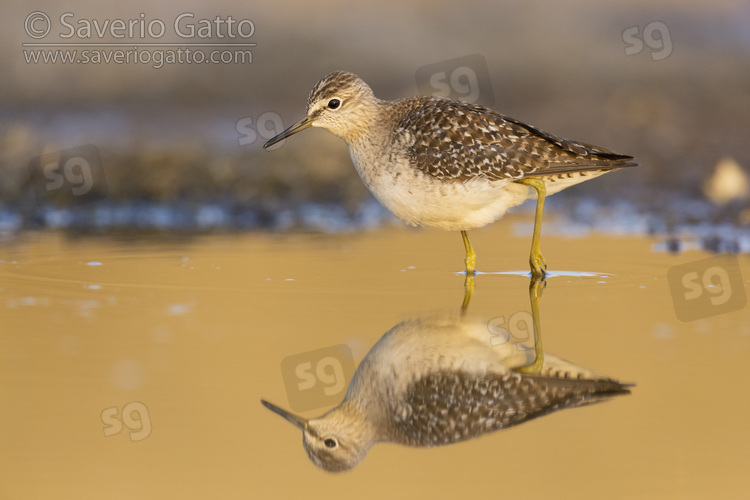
{"x": 134, "y": 366}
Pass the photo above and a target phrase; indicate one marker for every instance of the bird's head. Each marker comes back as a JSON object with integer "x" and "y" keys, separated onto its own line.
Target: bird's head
{"x": 335, "y": 441}
{"x": 341, "y": 103}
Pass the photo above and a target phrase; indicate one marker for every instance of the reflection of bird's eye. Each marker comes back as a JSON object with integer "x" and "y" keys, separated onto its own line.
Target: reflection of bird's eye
{"x": 334, "y": 103}
{"x": 330, "y": 443}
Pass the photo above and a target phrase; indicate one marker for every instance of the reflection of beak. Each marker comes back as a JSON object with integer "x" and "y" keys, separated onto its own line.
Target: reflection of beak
{"x": 298, "y": 422}
{"x": 302, "y": 124}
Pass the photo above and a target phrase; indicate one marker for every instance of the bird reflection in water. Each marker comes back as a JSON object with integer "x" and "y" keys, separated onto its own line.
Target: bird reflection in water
{"x": 441, "y": 380}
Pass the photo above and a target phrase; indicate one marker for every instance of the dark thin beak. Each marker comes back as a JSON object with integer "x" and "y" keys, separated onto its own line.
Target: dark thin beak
{"x": 298, "y": 422}
{"x": 302, "y": 124}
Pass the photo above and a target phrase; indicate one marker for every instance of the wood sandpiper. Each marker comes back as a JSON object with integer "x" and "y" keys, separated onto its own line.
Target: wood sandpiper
{"x": 436, "y": 381}
{"x": 442, "y": 163}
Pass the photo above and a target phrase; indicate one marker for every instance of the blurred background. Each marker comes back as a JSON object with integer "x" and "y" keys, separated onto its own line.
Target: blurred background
{"x": 178, "y": 145}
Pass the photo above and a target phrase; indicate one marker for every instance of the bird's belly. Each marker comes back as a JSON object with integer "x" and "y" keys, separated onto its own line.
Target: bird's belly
{"x": 420, "y": 199}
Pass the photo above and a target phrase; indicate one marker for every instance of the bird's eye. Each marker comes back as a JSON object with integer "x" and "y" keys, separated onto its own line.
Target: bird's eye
{"x": 334, "y": 103}
{"x": 330, "y": 443}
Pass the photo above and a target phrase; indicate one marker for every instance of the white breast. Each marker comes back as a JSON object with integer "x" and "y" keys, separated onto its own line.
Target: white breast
{"x": 420, "y": 199}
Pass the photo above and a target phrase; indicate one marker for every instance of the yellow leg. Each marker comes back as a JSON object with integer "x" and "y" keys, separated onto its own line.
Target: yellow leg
{"x": 468, "y": 292}
{"x": 471, "y": 257}
{"x": 536, "y": 260}
{"x": 471, "y": 260}
{"x": 535, "y": 291}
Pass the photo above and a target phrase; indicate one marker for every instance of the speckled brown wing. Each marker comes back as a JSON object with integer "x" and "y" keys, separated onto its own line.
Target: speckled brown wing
{"x": 455, "y": 141}
{"x": 444, "y": 408}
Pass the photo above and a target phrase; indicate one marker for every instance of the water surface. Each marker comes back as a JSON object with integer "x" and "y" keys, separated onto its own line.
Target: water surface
{"x": 186, "y": 334}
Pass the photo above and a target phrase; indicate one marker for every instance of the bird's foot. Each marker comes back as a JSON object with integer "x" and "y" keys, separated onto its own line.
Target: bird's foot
{"x": 471, "y": 262}
{"x": 538, "y": 266}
